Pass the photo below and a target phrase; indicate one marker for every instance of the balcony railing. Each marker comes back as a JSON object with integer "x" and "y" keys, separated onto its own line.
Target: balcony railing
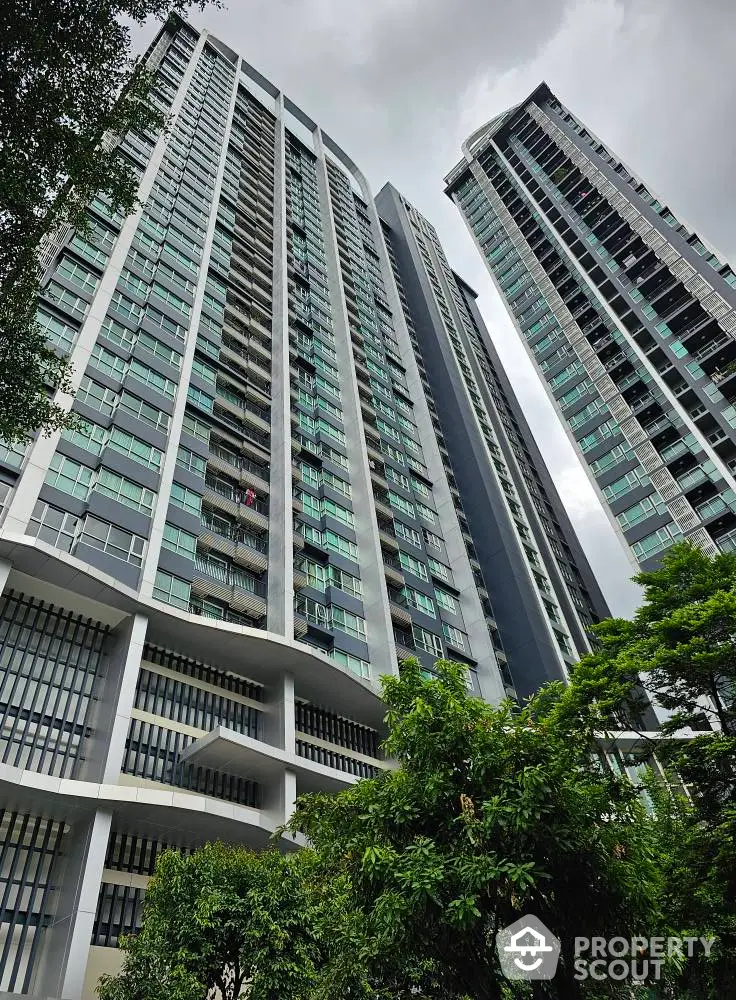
{"x": 727, "y": 542}
{"x": 241, "y": 462}
{"x": 235, "y": 533}
{"x": 231, "y": 576}
{"x": 243, "y": 404}
{"x": 235, "y": 494}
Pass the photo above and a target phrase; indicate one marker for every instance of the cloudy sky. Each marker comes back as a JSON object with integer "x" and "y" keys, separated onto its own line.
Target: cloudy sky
{"x": 400, "y": 83}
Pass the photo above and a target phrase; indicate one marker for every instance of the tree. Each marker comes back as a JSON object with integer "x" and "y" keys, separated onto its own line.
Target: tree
{"x": 490, "y": 815}
{"x": 682, "y": 640}
{"x": 67, "y": 80}
{"x": 223, "y": 920}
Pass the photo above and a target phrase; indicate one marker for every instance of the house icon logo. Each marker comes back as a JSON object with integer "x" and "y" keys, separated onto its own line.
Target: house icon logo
{"x": 527, "y": 950}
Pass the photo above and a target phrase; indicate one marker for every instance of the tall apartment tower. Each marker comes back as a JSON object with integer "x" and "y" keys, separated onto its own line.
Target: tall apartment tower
{"x": 538, "y": 592}
{"x": 627, "y": 314}
{"x": 201, "y": 584}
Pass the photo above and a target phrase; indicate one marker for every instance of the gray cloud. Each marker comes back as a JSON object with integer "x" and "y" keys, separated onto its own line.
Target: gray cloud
{"x": 400, "y": 83}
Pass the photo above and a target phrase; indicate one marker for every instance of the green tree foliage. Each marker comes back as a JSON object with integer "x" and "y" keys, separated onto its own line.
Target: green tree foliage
{"x": 224, "y": 919}
{"x": 683, "y": 641}
{"x": 490, "y": 815}
{"x": 67, "y": 79}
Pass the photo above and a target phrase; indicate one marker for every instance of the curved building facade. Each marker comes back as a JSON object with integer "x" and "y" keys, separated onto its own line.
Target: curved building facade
{"x": 202, "y": 583}
{"x": 254, "y": 519}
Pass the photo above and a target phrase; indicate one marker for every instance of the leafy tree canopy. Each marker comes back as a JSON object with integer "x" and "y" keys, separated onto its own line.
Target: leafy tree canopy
{"x": 489, "y": 816}
{"x": 227, "y": 921}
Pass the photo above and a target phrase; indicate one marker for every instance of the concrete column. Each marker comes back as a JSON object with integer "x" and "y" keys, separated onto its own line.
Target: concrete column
{"x": 281, "y": 518}
{"x": 115, "y": 698}
{"x": 379, "y": 628}
{"x": 5, "y": 568}
{"x": 279, "y": 731}
{"x": 66, "y": 940}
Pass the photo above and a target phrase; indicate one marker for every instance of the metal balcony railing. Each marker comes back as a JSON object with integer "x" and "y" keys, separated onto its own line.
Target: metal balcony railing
{"x": 231, "y": 576}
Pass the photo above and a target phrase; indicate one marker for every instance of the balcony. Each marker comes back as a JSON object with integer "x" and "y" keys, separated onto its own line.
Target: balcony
{"x": 405, "y": 646}
{"x": 673, "y": 451}
{"x": 235, "y": 533}
{"x": 230, "y": 576}
{"x": 727, "y": 542}
{"x": 693, "y": 478}
{"x": 716, "y": 505}
{"x": 227, "y": 397}
{"x": 230, "y": 462}
{"x": 710, "y": 347}
{"x": 393, "y": 569}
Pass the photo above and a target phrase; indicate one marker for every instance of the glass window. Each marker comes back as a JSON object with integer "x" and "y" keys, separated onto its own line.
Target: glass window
{"x": 637, "y": 477}
{"x": 189, "y": 460}
{"x": 405, "y": 506}
{"x": 204, "y": 371}
{"x": 641, "y": 511}
{"x": 416, "y": 599}
{"x": 397, "y": 477}
{"x": 70, "y": 270}
{"x": 445, "y": 600}
{"x": 126, "y": 307}
{"x": 434, "y": 540}
{"x": 426, "y": 640}
{"x": 54, "y": 526}
{"x": 196, "y": 427}
{"x": 336, "y": 510}
{"x": 152, "y": 378}
{"x": 426, "y": 512}
{"x": 91, "y": 437}
{"x": 134, "y": 448}
{"x": 165, "y": 323}
{"x": 660, "y": 539}
{"x": 344, "y": 581}
{"x": 117, "y": 333}
{"x": 188, "y": 500}
{"x": 154, "y": 346}
{"x": 619, "y": 453}
{"x": 117, "y": 487}
{"x": 360, "y": 667}
{"x": 179, "y": 541}
{"x": 56, "y": 331}
{"x": 439, "y": 569}
{"x": 419, "y": 487}
{"x": 454, "y": 636}
{"x": 408, "y": 534}
{"x": 172, "y": 590}
{"x": 347, "y": 622}
{"x": 113, "y": 540}
{"x": 12, "y": 455}
{"x": 412, "y": 565}
{"x": 69, "y": 476}
{"x": 132, "y": 283}
{"x": 144, "y": 411}
{"x": 108, "y": 362}
{"x": 339, "y": 544}
{"x": 173, "y": 300}
{"x": 326, "y": 428}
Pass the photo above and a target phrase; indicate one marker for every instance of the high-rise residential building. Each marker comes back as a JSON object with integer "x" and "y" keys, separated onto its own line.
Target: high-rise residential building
{"x": 627, "y": 314}
{"x": 537, "y": 590}
{"x": 203, "y": 580}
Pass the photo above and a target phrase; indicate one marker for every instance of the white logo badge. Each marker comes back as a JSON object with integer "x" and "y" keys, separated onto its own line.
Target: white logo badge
{"x": 527, "y": 950}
